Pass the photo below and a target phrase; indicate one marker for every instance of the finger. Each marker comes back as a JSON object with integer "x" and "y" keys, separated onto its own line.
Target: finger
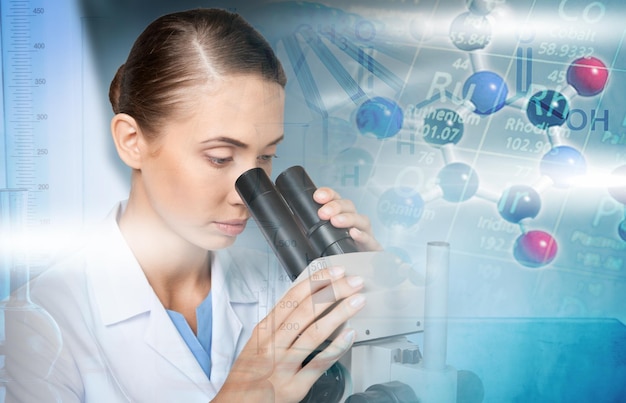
{"x": 309, "y": 373}
{"x": 364, "y": 240}
{"x": 307, "y": 327}
{"x": 319, "y": 331}
{"x": 351, "y": 219}
{"x": 295, "y": 297}
{"x": 325, "y": 194}
{"x": 361, "y": 225}
{"x": 336, "y": 207}
{"x": 342, "y": 214}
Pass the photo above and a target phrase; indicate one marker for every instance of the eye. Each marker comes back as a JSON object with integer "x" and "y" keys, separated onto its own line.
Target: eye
{"x": 266, "y": 158}
{"x": 219, "y": 161}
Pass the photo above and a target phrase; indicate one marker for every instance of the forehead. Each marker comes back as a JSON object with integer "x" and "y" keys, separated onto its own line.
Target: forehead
{"x": 236, "y": 106}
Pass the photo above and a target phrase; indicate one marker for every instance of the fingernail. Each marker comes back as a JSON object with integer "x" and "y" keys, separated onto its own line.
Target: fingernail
{"x": 357, "y": 301}
{"x": 355, "y": 281}
{"x": 322, "y": 193}
{"x": 336, "y": 271}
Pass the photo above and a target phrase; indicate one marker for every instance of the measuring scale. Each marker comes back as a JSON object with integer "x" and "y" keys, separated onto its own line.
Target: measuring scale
{"x": 41, "y": 126}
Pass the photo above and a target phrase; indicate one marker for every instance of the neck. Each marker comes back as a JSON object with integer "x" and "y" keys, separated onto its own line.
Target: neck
{"x": 178, "y": 271}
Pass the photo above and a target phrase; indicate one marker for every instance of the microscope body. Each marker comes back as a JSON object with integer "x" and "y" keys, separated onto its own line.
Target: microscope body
{"x": 383, "y": 365}
{"x": 395, "y": 300}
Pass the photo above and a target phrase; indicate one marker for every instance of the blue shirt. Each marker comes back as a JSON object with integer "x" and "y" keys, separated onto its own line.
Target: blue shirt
{"x": 199, "y": 345}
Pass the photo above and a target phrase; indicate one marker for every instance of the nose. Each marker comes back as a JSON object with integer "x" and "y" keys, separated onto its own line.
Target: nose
{"x": 234, "y": 197}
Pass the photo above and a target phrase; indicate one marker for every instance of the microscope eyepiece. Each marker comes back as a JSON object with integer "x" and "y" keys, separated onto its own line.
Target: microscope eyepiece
{"x": 275, "y": 220}
{"x": 286, "y": 214}
{"x": 297, "y": 189}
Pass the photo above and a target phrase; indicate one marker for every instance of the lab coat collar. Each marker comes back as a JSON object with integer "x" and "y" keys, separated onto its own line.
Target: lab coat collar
{"x": 122, "y": 292}
{"x": 163, "y": 337}
{"x": 122, "y": 289}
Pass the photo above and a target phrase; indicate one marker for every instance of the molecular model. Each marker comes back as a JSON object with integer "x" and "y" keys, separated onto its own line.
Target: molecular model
{"x": 485, "y": 92}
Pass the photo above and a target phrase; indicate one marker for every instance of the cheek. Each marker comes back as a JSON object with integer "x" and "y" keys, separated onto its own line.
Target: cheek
{"x": 200, "y": 187}
{"x": 178, "y": 182}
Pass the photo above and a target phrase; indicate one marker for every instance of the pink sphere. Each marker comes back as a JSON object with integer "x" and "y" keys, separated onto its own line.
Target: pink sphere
{"x": 535, "y": 249}
{"x": 588, "y": 75}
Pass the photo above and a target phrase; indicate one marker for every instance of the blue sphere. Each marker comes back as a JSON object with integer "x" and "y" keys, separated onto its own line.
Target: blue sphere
{"x": 547, "y": 108}
{"x": 401, "y": 206}
{"x": 458, "y": 181}
{"x": 563, "y": 164}
{"x": 519, "y": 202}
{"x": 487, "y": 91}
{"x": 380, "y": 117}
{"x": 443, "y": 126}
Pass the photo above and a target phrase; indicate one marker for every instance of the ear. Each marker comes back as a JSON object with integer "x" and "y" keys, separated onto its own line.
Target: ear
{"x": 127, "y": 138}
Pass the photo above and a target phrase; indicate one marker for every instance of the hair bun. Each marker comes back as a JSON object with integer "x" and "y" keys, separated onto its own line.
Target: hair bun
{"x": 116, "y": 88}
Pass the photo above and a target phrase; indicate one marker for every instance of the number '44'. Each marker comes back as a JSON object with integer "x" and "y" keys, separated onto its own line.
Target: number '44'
{"x": 460, "y": 63}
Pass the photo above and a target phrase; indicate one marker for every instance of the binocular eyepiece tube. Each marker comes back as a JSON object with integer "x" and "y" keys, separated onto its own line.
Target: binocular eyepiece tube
{"x": 286, "y": 214}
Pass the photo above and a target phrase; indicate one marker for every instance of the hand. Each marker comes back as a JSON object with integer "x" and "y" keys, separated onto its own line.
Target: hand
{"x": 342, "y": 214}
{"x": 269, "y": 369}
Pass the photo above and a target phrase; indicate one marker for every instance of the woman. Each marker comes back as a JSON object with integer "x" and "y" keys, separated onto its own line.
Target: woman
{"x": 155, "y": 306}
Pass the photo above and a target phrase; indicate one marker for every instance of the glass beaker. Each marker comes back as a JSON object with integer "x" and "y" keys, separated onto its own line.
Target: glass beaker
{"x": 30, "y": 340}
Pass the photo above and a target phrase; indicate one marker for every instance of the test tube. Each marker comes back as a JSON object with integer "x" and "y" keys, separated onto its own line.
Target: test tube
{"x": 13, "y": 260}
{"x": 436, "y": 306}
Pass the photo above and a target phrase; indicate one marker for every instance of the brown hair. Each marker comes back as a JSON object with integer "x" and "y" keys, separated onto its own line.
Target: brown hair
{"x": 186, "y": 49}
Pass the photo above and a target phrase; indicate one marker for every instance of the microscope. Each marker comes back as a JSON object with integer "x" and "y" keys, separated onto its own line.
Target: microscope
{"x": 383, "y": 365}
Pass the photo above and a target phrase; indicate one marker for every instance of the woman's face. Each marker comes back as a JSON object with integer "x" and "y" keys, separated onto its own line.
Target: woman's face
{"x": 189, "y": 172}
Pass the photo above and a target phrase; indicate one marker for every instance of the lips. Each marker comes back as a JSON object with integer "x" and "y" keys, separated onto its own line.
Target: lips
{"x": 231, "y": 227}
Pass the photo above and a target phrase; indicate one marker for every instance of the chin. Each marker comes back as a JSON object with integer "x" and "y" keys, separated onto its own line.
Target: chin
{"x": 218, "y": 242}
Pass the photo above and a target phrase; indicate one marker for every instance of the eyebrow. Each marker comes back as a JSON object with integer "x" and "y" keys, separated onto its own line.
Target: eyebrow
{"x": 238, "y": 143}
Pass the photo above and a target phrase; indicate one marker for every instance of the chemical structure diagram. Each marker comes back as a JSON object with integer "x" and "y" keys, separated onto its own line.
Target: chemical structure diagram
{"x": 483, "y": 93}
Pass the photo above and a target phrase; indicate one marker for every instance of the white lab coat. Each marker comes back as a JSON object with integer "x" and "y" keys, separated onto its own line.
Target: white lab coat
{"x": 119, "y": 344}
